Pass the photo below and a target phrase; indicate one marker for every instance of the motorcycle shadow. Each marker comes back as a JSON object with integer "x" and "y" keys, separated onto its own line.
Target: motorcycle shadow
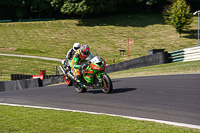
{"x": 114, "y": 91}
{"x": 122, "y": 90}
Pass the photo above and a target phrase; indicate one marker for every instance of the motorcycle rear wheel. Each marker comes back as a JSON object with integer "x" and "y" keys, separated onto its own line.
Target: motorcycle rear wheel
{"x": 106, "y": 86}
{"x": 68, "y": 81}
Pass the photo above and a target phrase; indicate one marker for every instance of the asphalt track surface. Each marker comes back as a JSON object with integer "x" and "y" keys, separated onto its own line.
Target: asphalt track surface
{"x": 174, "y": 98}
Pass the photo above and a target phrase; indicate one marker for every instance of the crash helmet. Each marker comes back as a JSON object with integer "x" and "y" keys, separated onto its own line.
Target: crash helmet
{"x": 76, "y": 46}
{"x": 84, "y": 50}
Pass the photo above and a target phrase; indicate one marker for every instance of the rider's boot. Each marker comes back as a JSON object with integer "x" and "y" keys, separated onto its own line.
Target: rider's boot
{"x": 78, "y": 82}
{"x": 79, "y": 85}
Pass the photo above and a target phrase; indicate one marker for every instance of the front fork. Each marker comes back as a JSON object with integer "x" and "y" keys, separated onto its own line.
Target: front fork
{"x": 99, "y": 77}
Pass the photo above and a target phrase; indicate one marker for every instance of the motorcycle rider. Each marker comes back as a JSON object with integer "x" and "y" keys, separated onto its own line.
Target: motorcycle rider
{"x": 71, "y": 53}
{"x": 79, "y": 57}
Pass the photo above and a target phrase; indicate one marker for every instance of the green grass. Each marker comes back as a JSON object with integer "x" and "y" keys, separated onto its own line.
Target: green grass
{"x": 104, "y": 36}
{"x": 163, "y": 69}
{"x": 12, "y": 65}
{"x": 23, "y": 119}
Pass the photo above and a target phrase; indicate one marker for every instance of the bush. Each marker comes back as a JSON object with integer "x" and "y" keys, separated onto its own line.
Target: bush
{"x": 178, "y": 14}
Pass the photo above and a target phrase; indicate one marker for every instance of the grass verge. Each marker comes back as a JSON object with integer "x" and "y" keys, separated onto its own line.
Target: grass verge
{"x": 163, "y": 69}
{"x": 28, "y": 66}
{"x": 23, "y": 119}
{"x": 104, "y": 36}
{"x": 12, "y": 65}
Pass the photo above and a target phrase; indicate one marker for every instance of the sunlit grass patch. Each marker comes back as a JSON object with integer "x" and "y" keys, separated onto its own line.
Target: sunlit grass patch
{"x": 104, "y": 36}
{"x": 28, "y": 66}
{"x": 164, "y": 69}
{"x": 23, "y": 119}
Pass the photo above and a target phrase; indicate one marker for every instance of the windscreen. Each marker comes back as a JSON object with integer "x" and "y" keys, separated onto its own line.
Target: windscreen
{"x": 90, "y": 57}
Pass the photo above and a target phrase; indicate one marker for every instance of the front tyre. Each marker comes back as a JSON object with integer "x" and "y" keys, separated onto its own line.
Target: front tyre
{"x": 106, "y": 86}
{"x": 68, "y": 81}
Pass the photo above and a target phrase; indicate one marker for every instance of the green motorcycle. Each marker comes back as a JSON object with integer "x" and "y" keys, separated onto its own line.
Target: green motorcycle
{"x": 93, "y": 76}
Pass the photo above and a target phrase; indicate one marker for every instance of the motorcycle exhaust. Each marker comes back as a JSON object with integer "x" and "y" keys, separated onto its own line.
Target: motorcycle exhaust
{"x": 70, "y": 75}
{"x": 63, "y": 70}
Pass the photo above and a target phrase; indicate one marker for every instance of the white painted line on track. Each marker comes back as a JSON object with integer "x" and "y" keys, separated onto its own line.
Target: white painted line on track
{"x": 129, "y": 117}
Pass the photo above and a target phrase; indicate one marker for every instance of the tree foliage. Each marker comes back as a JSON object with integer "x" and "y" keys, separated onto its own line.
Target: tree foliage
{"x": 39, "y": 6}
{"x": 84, "y": 7}
{"x": 23, "y": 8}
{"x": 17, "y": 9}
{"x": 148, "y": 2}
{"x": 178, "y": 14}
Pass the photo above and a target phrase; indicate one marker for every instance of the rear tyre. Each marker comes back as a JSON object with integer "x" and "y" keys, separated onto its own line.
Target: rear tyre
{"x": 106, "y": 86}
{"x": 68, "y": 81}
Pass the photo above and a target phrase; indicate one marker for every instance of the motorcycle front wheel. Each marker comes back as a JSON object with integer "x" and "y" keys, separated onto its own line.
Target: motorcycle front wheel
{"x": 106, "y": 86}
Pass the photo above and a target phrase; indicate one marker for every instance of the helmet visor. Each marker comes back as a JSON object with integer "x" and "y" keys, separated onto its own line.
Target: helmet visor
{"x": 76, "y": 48}
{"x": 86, "y": 53}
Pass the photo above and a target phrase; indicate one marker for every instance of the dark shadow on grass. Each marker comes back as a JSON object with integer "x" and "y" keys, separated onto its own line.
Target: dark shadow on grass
{"x": 126, "y": 20}
{"x": 192, "y": 34}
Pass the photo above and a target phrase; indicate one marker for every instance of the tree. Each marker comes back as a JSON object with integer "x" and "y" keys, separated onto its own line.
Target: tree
{"x": 179, "y": 15}
{"x": 84, "y": 7}
{"x": 39, "y": 6}
{"x": 21, "y": 8}
{"x": 5, "y": 11}
{"x": 148, "y": 2}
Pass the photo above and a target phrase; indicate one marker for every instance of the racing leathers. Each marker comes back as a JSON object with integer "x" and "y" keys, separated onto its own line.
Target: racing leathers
{"x": 76, "y": 64}
{"x": 70, "y": 54}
